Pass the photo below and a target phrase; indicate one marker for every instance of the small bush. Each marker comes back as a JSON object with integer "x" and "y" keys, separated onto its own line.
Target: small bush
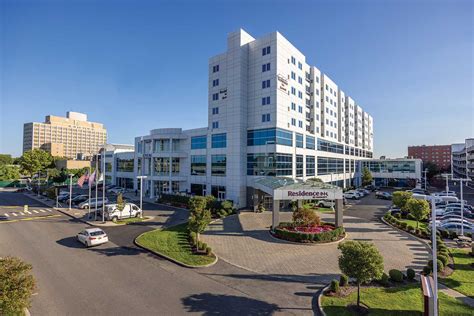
{"x": 444, "y": 233}
{"x": 398, "y": 215}
{"x": 343, "y": 280}
{"x": 384, "y": 280}
{"x": 306, "y": 217}
{"x": 443, "y": 259}
{"x": 426, "y": 270}
{"x": 410, "y": 228}
{"x": 334, "y": 287}
{"x": 203, "y": 246}
{"x": 411, "y": 274}
{"x": 453, "y": 235}
{"x": 404, "y": 225}
{"x": 17, "y": 285}
{"x": 199, "y": 244}
{"x": 409, "y": 216}
{"x": 417, "y": 231}
{"x": 208, "y": 251}
{"x": 396, "y": 275}
{"x": 438, "y": 262}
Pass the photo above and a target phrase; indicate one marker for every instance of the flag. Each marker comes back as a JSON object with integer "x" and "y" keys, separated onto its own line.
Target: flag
{"x": 101, "y": 177}
{"x": 92, "y": 179}
{"x": 81, "y": 180}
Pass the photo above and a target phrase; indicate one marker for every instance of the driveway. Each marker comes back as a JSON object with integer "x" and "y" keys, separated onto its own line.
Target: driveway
{"x": 243, "y": 240}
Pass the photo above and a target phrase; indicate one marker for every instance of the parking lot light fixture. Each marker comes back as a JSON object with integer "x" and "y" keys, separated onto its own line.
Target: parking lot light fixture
{"x": 141, "y": 194}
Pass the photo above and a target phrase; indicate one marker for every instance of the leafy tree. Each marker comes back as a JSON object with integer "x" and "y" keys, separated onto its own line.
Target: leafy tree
{"x": 200, "y": 215}
{"x": 366, "y": 176}
{"x": 419, "y": 209}
{"x": 400, "y": 199}
{"x": 6, "y": 159}
{"x": 433, "y": 169}
{"x": 121, "y": 204}
{"x": 16, "y": 285}
{"x": 361, "y": 261}
{"x": 306, "y": 217}
{"x": 34, "y": 161}
{"x": 9, "y": 172}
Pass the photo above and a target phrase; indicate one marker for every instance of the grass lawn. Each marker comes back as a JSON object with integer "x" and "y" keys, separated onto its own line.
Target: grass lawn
{"x": 324, "y": 210}
{"x": 462, "y": 279}
{"x": 404, "y": 300}
{"x": 130, "y": 220}
{"x": 173, "y": 242}
{"x": 413, "y": 223}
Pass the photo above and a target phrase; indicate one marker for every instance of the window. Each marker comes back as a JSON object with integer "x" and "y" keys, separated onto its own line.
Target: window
{"x": 161, "y": 166}
{"x": 293, "y": 91}
{"x": 215, "y": 111}
{"x": 215, "y": 82}
{"x": 219, "y": 140}
{"x": 324, "y": 145}
{"x": 161, "y": 145}
{"x": 215, "y": 68}
{"x": 293, "y": 122}
{"x": 293, "y": 60}
{"x": 198, "y": 165}
{"x": 218, "y": 165}
{"x": 300, "y": 109}
{"x": 310, "y": 166}
{"x": 265, "y": 117}
{"x": 269, "y": 164}
{"x": 300, "y": 80}
{"x": 300, "y": 65}
{"x": 300, "y": 94}
{"x": 269, "y": 136}
{"x": 293, "y": 106}
{"x": 199, "y": 142}
{"x": 266, "y": 67}
{"x": 266, "y": 51}
{"x": 317, "y": 79}
{"x": 265, "y": 100}
{"x": 299, "y": 165}
{"x": 330, "y": 165}
{"x": 299, "y": 140}
{"x": 215, "y": 96}
{"x": 266, "y": 84}
{"x": 124, "y": 165}
{"x": 300, "y": 124}
{"x": 310, "y": 142}
{"x": 215, "y": 124}
{"x": 293, "y": 75}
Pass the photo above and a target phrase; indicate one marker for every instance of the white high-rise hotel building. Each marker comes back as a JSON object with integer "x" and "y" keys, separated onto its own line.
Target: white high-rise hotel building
{"x": 270, "y": 114}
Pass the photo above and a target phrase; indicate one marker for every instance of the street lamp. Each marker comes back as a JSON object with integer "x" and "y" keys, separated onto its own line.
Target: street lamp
{"x": 425, "y": 172}
{"x": 462, "y": 202}
{"x": 447, "y": 175}
{"x": 434, "y": 256}
{"x": 70, "y": 190}
{"x": 141, "y": 194}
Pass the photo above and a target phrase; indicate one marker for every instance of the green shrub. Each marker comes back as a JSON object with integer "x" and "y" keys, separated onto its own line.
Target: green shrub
{"x": 410, "y": 228}
{"x": 438, "y": 262}
{"x": 404, "y": 225}
{"x": 203, "y": 246}
{"x": 409, "y": 216}
{"x": 326, "y": 236}
{"x": 384, "y": 280}
{"x": 334, "y": 287}
{"x": 453, "y": 235}
{"x": 396, "y": 275}
{"x": 174, "y": 199}
{"x": 199, "y": 244}
{"x": 398, "y": 215}
{"x": 208, "y": 251}
{"x": 343, "y": 280}
{"x": 306, "y": 217}
{"x": 411, "y": 274}
{"x": 443, "y": 259}
{"x": 427, "y": 270}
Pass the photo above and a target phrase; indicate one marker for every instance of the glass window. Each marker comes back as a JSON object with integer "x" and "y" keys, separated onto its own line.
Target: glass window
{"x": 215, "y": 68}
{"x": 310, "y": 166}
{"x": 161, "y": 166}
{"x": 310, "y": 142}
{"x": 269, "y": 136}
{"x": 198, "y": 165}
{"x": 161, "y": 145}
{"x": 124, "y": 165}
{"x": 218, "y": 165}
{"x": 299, "y": 165}
{"x": 219, "y": 140}
{"x": 269, "y": 164}
{"x": 199, "y": 142}
{"x": 330, "y": 165}
{"x": 299, "y": 140}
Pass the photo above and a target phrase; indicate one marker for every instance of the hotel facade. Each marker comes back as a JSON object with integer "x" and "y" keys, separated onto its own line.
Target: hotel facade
{"x": 270, "y": 114}
{"x": 463, "y": 159}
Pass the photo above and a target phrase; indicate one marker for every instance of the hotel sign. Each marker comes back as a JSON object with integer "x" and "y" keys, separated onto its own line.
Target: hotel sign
{"x": 307, "y": 194}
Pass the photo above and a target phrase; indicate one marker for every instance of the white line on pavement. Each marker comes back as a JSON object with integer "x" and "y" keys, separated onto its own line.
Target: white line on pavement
{"x": 27, "y": 212}
{"x": 7, "y": 215}
{"x": 42, "y": 211}
{"x": 35, "y": 211}
{"x": 49, "y": 210}
{"x": 21, "y": 213}
{"x": 14, "y": 214}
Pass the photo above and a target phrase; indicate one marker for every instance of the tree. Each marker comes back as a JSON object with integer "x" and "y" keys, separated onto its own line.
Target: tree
{"x": 400, "y": 199}
{"x": 121, "y": 204}
{"x": 34, "y": 161}
{"x": 200, "y": 216}
{"x": 16, "y": 285}
{"x": 419, "y": 209}
{"x": 6, "y": 159}
{"x": 366, "y": 176}
{"x": 9, "y": 172}
{"x": 305, "y": 217}
{"x": 433, "y": 169}
{"x": 361, "y": 261}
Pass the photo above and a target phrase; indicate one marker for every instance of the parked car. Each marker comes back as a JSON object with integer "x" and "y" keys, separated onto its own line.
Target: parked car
{"x": 383, "y": 195}
{"x": 92, "y": 203}
{"x": 92, "y": 237}
{"x": 65, "y": 197}
{"x": 396, "y": 210}
{"x": 445, "y": 193}
{"x": 364, "y": 192}
{"x": 79, "y": 199}
{"x": 420, "y": 191}
{"x": 117, "y": 190}
{"x": 112, "y": 213}
{"x": 326, "y": 203}
{"x": 458, "y": 204}
{"x": 371, "y": 188}
{"x": 351, "y": 195}
{"x": 456, "y": 227}
{"x": 453, "y": 216}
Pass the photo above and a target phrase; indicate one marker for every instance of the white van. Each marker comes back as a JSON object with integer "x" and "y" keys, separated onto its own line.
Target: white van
{"x": 112, "y": 213}
{"x": 448, "y": 198}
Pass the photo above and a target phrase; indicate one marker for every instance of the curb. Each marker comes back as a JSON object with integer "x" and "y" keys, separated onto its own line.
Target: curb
{"x": 171, "y": 259}
{"x": 309, "y": 243}
{"x": 426, "y": 243}
{"x": 320, "y": 294}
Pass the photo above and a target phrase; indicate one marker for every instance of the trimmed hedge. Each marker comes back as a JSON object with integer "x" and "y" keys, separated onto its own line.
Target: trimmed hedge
{"x": 396, "y": 275}
{"x": 411, "y": 274}
{"x": 322, "y": 237}
{"x": 174, "y": 199}
{"x": 440, "y": 265}
{"x": 343, "y": 280}
{"x": 384, "y": 280}
{"x": 334, "y": 287}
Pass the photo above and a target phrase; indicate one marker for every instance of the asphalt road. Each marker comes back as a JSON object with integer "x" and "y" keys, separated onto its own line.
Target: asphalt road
{"x": 119, "y": 279}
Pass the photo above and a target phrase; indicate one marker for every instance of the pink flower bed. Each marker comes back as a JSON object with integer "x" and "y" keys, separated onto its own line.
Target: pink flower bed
{"x": 312, "y": 230}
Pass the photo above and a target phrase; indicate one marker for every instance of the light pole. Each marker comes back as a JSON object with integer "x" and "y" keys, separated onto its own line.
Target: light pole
{"x": 141, "y": 194}
{"x": 70, "y": 190}
{"x": 39, "y": 183}
{"x": 425, "y": 172}
{"x": 103, "y": 186}
{"x": 447, "y": 175}
{"x": 434, "y": 256}
{"x": 462, "y": 202}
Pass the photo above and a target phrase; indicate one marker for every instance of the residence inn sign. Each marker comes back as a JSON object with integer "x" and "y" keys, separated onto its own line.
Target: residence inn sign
{"x": 307, "y": 194}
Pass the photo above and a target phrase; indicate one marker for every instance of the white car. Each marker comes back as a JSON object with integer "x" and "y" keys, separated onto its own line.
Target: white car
{"x": 112, "y": 213}
{"x": 444, "y": 193}
{"x": 326, "y": 203}
{"x": 456, "y": 227}
{"x": 92, "y": 237}
{"x": 118, "y": 190}
{"x": 351, "y": 195}
{"x": 91, "y": 201}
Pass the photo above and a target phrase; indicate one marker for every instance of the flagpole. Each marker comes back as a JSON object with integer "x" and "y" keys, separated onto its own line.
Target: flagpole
{"x": 96, "y": 182}
{"x": 89, "y": 185}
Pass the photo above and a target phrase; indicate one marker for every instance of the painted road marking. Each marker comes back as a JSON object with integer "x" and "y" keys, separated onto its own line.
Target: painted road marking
{"x": 27, "y": 212}
{"x": 49, "y": 210}
{"x": 35, "y": 211}
{"x": 42, "y": 211}
{"x": 30, "y": 218}
{"x": 14, "y": 214}
{"x": 21, "y": 213}
{"x": 6, "y": 214}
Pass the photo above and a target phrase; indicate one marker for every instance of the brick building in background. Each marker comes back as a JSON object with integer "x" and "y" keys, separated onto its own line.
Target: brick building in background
{"x": 437, "y": 154}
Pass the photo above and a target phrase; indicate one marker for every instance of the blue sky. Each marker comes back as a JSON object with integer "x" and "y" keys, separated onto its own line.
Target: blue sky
{"x": 140, "y": 65}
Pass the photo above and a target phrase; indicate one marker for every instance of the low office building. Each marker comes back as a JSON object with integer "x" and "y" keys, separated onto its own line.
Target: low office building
{"x": 400, "y": 172}
{"x": 440, "y": 155}
{"x": 270, "y": 114}
{"x": 463, "y": 159}
{"x": 71, "y": 137}
{"x": 119, "y": 165}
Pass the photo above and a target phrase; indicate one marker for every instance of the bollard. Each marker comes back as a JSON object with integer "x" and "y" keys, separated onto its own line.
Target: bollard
{"x": 25, "y": 208}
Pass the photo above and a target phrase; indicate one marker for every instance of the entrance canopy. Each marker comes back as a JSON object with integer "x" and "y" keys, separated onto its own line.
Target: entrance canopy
{"x": 289, "y": 189}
